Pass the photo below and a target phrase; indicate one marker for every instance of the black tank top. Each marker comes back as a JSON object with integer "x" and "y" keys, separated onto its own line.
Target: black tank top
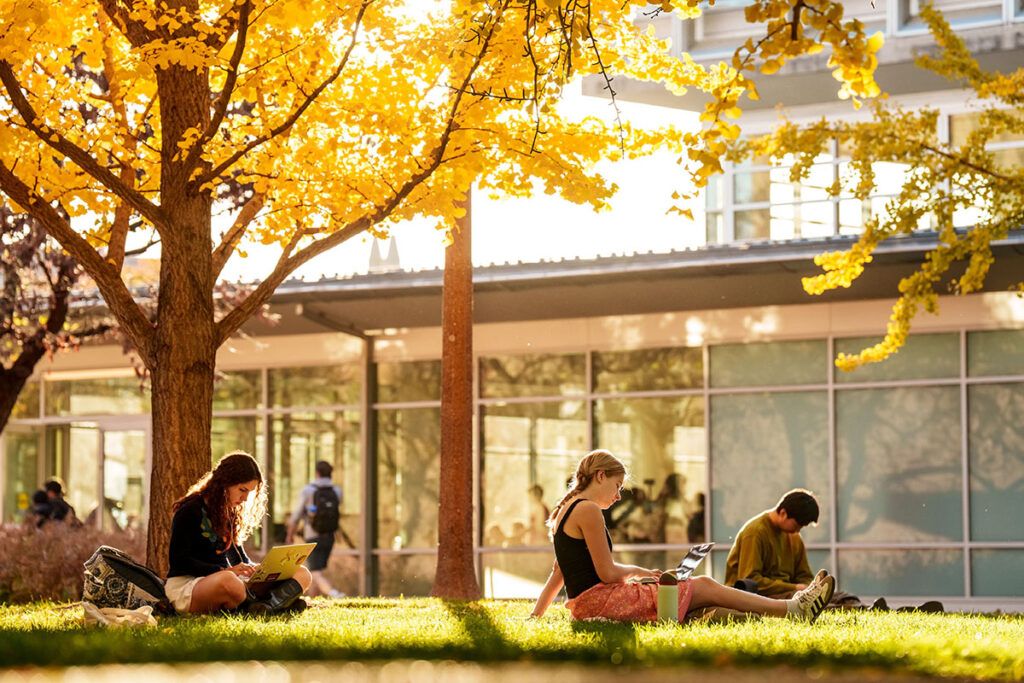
{"x": 574, "y": 558}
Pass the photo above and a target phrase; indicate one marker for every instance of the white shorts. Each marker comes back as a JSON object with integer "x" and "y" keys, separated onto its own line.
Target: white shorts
{"x": 179, "y": 591}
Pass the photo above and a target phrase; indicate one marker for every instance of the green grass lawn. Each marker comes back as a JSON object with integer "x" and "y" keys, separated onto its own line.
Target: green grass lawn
{"x": 496, "y": 631}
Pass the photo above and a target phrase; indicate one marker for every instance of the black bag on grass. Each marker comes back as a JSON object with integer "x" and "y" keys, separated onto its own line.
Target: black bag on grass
{"x": 113, "y": 579}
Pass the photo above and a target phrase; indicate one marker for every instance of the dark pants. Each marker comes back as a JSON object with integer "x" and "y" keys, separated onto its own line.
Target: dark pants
{"x": 321, "y": 553}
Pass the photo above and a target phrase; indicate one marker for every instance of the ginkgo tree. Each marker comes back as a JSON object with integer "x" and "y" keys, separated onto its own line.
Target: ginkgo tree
{"x": 336, "y": 118}
{"x": 969, "y": 194}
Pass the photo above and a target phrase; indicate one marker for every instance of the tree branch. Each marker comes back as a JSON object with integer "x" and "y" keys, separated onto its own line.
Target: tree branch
{"x": 80, "y": 157}
{"x": 293, "y": 117}
{"x": 231, "y": 238}
{"x": 137, "y": 34}
{"x": 117, "y": 296}
{"x": 220, "y": 107}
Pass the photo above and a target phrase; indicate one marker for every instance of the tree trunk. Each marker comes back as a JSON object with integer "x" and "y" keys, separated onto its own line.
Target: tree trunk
{"x": 182, "y": 357}
{"x": 456, "y": 574}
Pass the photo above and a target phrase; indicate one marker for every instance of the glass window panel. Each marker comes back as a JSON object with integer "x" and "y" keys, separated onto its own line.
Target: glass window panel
{"x": 925, "y": 573}
{"x": 815, "y": 219}
{"x": 343, "y": 572}
{"x": 124, "y": 479}
{"x": 533, "y": 375}
{"x": 996, "y": 445}
{"x": 21, "y": 473}
{"x": 529, "y": 450}
{"x": 1010, "y": 159}
{"x": 81, "y": 482}
{"x": 997, "y": 573}
{"x": 659, "y": 559}
{"x": 899, "y": 464}
{"x": 27, "y": 404}
{"x": 238, "y": 390}
{"x": 317, "y": 385}
{"x": 413, "y": 381}
{"x": 753, "y": 224}
{"x": 300, "y": 440}
{"x": 713, "y": 193}
{"x": 770, "y": 364}
{"x": 104, "y": 396}
{"x": 751, "y": 187}
{"x": 924, "y": 356}
{"x": 408, "y": 464}
{"x": 763, "y": 445}
{"x": 515, "y": 575}
{"x": 229, "y": 434}
{"x": 648, "y": 370}
{"x": 406, "y": 575}
{"x": 996, "y": 352}
{"x": 961, "y": 125}
{"x": 715, "y": 228}
{"x": 662, "y": 443}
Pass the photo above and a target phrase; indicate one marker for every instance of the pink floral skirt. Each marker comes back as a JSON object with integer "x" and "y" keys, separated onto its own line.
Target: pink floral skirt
{"x": 625, "y": 602}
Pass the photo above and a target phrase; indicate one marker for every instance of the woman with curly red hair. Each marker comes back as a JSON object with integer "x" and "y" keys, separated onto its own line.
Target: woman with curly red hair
{"x": 207, "y": 561}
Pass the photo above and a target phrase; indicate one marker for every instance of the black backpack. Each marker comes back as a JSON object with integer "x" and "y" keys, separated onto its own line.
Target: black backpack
{"x": 113, "y": 579}
{"x": 324, "y": 514}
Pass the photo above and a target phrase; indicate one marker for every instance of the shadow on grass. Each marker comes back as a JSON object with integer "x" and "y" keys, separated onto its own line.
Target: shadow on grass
{"x": 482, "y": 634}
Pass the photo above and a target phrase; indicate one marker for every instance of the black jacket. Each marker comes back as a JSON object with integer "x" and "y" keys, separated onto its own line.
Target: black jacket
{"x": 196, "y": 550}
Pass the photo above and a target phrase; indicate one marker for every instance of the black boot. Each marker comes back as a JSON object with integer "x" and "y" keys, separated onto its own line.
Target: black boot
{"x": 277, "y": 600}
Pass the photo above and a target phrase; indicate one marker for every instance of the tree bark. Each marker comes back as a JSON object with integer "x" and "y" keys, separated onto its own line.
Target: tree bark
{"x": 456, "y": 574}
{"x": 183, "y": 350}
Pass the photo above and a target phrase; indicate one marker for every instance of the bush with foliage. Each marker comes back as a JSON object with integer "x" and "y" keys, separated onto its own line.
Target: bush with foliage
{"x": 46, "y": 563}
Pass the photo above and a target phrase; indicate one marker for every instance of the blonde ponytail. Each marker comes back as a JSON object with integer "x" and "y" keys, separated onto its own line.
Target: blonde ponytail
{"x": 592, "y": 463}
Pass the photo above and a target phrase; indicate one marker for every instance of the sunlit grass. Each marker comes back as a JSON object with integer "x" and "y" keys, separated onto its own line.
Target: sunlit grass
{"x": 494, "y": 631}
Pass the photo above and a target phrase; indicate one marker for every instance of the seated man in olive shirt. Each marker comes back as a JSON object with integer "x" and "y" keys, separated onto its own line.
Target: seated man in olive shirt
{"x": 768, "y": 550}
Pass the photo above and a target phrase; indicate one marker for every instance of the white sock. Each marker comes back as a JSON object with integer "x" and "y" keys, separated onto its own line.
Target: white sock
{"x": 793, "y": 610}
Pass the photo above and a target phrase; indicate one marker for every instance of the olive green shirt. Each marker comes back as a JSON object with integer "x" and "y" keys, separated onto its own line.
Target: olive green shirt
{"x": 774, "y": 559}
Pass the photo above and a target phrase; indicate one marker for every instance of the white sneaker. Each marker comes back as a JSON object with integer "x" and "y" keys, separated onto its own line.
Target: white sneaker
{"x": 809, "y": 603}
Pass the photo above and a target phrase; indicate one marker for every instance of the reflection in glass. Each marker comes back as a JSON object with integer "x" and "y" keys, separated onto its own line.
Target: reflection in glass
{"x": 408, "y": 575}
{"x": 715, "y": 227}
{"x": 21, "y": 474}
{"x": 330, "y": 385}
{"x": 81, "y": 482}
{"x": 924, "y": 356}
{"x": 238, "y": 390}
{"x": 27, "y": 404}
{"x": 752, "y": 224}
{"x": 529, "y": 450}
{"x": 104, "y": 396}
{"x": 997, "y": 573}
{"x": 301, "y": 440}
{"x": 926, "y": 573}
{"x": 408, "y": 463}
{"x": 343, "y": 572}
{"x": 995, "y": 352}
{"x": 763, "y": 445}
{"x": 124, "y": 475}
{"x": 662, "y": 443}
{"x": 412, "y": 381}
{"x": 996, "y": 447}
{"x": 229, "y": 434}
{"x": 899, "y": 464}
{"x": 648, "y": 370}
{"x": 771, "y": 364}
{"x": 532, "y": 375}
{"x": 515, "y": 575}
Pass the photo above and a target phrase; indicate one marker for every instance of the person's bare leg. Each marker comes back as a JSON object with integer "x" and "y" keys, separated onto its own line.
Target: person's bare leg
{"x": 303, "y": 576}
{"x": 222, "y": 590}
{"x": 709, "y": 593}
{"x": 321, "y": 584}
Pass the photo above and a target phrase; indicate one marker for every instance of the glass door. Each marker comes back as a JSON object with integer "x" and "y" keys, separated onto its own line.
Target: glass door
{"x": 125, "y": 475}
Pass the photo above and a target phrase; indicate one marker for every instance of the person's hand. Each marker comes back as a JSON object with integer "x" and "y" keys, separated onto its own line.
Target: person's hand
{"x": 801, "y": 586}
{"x": 649, "y": 574}
{"x": 243, "y": 570}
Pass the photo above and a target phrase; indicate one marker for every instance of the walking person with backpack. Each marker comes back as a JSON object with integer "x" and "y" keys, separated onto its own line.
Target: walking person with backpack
{"x": 319, "y": 511}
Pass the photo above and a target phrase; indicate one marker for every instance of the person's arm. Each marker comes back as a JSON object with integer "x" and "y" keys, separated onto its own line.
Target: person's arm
{"x": 591, "y": 522}
{"x": 548, "y": 593}
{"x": 751, "y": 566}
{"x": 185, "y": 535}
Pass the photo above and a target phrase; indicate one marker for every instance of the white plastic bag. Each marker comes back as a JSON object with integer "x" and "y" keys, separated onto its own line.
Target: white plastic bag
{"x": 114, "y": 616}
